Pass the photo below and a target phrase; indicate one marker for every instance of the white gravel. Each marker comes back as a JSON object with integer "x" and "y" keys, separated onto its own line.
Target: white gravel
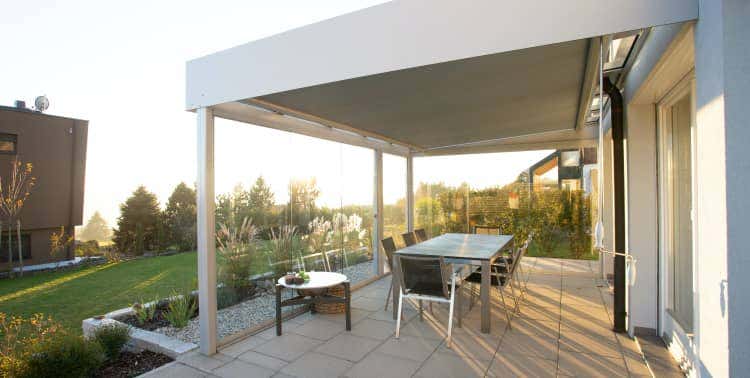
{"x": 250, "y": 313}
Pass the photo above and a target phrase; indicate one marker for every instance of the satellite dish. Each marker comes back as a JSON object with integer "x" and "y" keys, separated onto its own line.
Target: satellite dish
{"x": 41, "y": 103}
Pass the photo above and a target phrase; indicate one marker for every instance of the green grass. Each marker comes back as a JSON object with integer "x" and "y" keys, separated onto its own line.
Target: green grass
{"x": 74, "y": 295}
{"x": 561, "y": 251}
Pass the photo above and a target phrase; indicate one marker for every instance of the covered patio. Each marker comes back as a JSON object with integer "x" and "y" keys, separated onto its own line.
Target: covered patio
{"x": 564, "y": 328}
{"x": 416, "y": 79}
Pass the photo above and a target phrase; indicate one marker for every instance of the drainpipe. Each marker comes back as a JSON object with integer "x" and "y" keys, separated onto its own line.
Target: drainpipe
{"x": 618, "y": 154}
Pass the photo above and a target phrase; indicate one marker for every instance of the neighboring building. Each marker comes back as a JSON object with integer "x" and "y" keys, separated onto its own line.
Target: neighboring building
{"x": 574, "y": 168}
{"x": 56, "y": 146}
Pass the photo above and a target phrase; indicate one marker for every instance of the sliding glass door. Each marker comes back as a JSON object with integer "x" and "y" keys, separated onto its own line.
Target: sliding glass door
{"x": 676, "y": 116}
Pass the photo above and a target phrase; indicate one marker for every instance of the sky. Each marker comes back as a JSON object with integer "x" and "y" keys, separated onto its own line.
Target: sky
{"x": 121, "y": 66}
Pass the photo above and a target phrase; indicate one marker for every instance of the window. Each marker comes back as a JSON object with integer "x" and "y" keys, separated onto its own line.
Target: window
{"x": 570, "y": 158}
{"x": 25, "y": 247}
{"x": 618, "y": 52}
{"x": 8, "y": 144}
{"x": 676, "y": 124}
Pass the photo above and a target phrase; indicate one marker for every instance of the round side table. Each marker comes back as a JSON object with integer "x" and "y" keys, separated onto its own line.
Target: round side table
{"x": 314, "y": 291}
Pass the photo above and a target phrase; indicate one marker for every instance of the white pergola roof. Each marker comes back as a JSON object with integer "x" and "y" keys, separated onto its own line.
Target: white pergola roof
{"x": 430, "y": 76}
{"x": 413, "y": 77}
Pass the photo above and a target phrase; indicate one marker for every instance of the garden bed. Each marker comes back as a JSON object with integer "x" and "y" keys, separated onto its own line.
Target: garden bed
{"x": 254, "y": 312}
{"x": 130, "y": 364}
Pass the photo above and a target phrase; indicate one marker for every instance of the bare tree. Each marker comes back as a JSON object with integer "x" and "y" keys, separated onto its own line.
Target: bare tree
{"x": 13, "y": 196}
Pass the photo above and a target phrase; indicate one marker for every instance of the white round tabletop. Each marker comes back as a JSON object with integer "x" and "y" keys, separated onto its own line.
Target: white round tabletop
{"x": 318, "y": 280}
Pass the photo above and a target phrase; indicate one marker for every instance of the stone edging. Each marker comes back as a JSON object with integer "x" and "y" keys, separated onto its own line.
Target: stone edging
{"x": 140, "y": 339}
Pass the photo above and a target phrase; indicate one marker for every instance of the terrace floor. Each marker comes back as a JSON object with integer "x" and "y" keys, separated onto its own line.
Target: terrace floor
{"x": 563, "y": 329}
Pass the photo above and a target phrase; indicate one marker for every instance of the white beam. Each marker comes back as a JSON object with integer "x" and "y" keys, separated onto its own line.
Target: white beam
{"x": 410, "y": 193}
{"x": 254, "y": 115}
{"x": 206, "y": 233}
{"x": 377, "y": 213}
{"x": 405, "y": 34}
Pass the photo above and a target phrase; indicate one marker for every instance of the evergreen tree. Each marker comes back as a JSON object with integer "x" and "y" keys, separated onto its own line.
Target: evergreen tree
{"x": 180, "y": 218}
{"x": 137, "y": 226}
{"x": 301, "y": 207}
{"x": 261, "y": 202}
{"x": 96, "y": 229}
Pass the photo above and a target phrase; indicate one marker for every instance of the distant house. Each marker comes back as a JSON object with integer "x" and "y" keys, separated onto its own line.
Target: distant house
{"x": 573, "y": 169}
{"x": 56, "y": 146}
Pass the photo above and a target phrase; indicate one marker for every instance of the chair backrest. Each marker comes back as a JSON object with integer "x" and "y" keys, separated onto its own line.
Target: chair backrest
{"x": 409, "y": 238}
{"x": 389, "y": 246}
{"x": 487, "y": 230}
{"x": 421, "y": 234}
{"x": 336, "y": 259}
{"x": 315, "y": 262}
{"x": 517, "y": 256}
{"x": 420, "y": 274}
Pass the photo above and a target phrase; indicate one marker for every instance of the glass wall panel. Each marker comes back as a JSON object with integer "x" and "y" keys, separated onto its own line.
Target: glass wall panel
{"x": 493, "y": 193}
{"x": 394, "y": 197}
{"x": 281, "y": 210}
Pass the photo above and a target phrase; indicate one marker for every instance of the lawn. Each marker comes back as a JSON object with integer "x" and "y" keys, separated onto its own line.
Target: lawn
{"x": 561, "y": 251}
{"x": 74, "y": 295}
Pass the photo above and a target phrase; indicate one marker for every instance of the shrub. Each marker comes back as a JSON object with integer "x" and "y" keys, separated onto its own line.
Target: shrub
{"x": 112, "y": 338}
{"x": 181, "y": 308}
{"x": 87, "y": 248}
{"x": 145, "y": 313}
{"x": 18, "y": 336}
{"x": 226, "y": 297}
{"x": 63, "y": 355}
{"x": 236, "y": 246}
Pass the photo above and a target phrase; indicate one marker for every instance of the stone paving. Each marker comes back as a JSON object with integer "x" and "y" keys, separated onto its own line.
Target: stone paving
{"x": 563, "y": 329}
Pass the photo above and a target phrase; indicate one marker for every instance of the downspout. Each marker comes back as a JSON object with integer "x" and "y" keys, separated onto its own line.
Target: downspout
{"x": 618, "y": 154}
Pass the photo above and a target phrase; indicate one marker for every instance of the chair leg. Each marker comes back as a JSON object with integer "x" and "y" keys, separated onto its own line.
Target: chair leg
{"x": 388, "y": 296}
{"x": 398, "y": 317}
{"x": 421, "y": 311}
{"x": 505, "y": 306}
{"x": 515, "y": 298}
{"x": 431, "y": 312}
{"x": 450, "y": 311}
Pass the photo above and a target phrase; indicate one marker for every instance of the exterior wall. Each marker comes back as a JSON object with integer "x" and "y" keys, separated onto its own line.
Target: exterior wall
{"x": 722, "y": 76}
{"x": 665, "y": 59}
{"x": 56, "y": 147}
{"x": 737, "y": 68}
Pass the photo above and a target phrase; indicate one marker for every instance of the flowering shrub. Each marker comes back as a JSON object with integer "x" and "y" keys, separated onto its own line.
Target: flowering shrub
{"x": 18, "y": 336}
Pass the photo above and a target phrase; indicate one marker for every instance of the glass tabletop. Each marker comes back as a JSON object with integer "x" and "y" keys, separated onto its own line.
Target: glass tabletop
{"x": 460, "y": 246}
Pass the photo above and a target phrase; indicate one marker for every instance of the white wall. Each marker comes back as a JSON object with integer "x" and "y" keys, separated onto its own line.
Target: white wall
{"x": 642, "y": 214}
{"x": 722, "y": 78}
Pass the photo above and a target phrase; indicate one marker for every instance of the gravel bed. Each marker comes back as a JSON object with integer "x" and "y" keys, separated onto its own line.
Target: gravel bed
{"x": 250, "y": 313}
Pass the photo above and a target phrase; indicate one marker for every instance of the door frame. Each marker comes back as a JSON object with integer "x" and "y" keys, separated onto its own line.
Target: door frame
{"x": 667, "y": 324}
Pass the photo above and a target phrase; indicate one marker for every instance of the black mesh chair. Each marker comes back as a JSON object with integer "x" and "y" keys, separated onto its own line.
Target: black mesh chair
{"x": 502, "y": 275}
{"x": 420, "y": 234}
{"x": 426, "y": 279}
{"x": 389, "y": 246}
{"x": 409, "y": 238}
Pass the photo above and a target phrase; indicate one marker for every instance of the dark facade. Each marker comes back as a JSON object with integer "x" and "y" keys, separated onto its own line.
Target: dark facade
{"x": 569, "y": 171}
{"x": 56, "y": 146}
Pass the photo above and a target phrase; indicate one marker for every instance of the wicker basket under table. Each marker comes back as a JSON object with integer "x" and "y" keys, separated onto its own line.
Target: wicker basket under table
{"x": 332, "y": 308}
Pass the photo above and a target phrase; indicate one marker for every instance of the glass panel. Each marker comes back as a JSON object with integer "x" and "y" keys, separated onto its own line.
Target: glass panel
{"x": 618, "y": 52}
{"x": 680, "y": 174}
{"x": 394, "y": 198}
{"x": 570, "y": 158}
{"x": 356, "y": 199}
{"x": 492, "y": 191}
{"x": 7, "y": 146}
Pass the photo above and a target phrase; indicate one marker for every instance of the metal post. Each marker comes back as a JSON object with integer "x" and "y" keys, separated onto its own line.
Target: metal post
{"x": 410, "y": 193}
{"x": 618, "y": 154}
{"x": 206, "y": 233}
{"x": 377, "y": 213}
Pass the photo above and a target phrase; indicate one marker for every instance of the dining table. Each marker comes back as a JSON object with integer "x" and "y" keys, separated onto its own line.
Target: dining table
{"x": 473, "y": 250}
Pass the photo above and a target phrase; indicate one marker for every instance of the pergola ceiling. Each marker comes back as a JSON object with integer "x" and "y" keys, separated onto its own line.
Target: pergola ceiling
{"x": 496, "y": 96}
